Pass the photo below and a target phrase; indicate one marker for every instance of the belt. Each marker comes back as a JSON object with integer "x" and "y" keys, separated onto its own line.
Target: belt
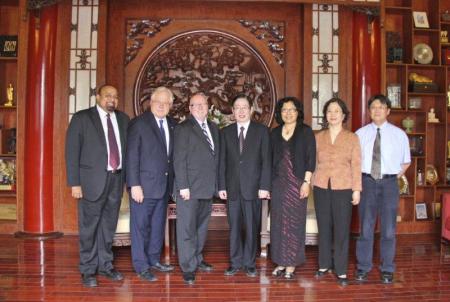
{"x": 384, "y": 176}
{"x": 118, "y": 171}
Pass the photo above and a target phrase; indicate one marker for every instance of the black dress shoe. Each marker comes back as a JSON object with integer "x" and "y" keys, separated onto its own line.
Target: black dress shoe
{"x": 112, "y": 274}
{"x": 320, "y": 273}
{"x": 231, "y": 271}
{"x": 189, "y": 278}
{"x": 205, "y": 267}
{"x": 343, "y": 281}
{"x": 361, "y": 275}
{"x": 88, "y": 280}
{"x": 147, "y": 276}
{"x": 162, "y": 267}
{"x": 250, "y": 271}
{"x": 387, "y": 277}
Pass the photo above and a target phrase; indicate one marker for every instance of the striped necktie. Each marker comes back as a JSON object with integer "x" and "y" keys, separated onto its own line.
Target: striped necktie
{"x": 207, "y": 137}
{"x": 375, "y": 171}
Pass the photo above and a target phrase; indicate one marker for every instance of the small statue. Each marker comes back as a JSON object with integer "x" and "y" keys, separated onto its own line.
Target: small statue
{"x": 414, "y": 77}
{"x": 444, "y": 36}
{"x": 9, "y": 96}
{"x": 432, "y": 116}
{"x": 408, "y": 124}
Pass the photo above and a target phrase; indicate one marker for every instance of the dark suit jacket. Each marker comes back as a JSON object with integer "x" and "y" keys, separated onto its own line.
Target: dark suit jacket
{"x": 87, "y": 154}
{"x": 302, "y": 146}
{"x": 148, "y": 164}
{"x": 248, "y": 172}
{"x": 196, "y": 167}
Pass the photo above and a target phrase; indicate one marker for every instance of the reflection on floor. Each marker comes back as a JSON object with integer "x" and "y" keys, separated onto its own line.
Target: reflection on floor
{"x": 48, "y": 271}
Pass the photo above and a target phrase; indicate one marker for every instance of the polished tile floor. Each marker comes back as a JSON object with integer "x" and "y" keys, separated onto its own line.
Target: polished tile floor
{"x": 47, "y": 271}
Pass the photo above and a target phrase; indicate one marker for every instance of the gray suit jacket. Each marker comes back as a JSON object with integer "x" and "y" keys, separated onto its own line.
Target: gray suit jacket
{"x": 87, "y": 154}
{"x": 196, "y": 167}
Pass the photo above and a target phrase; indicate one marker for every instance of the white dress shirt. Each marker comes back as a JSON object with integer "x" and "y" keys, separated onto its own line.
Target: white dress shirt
{"x": 394, "y": 147}
{"x": 113, "y": 118}
{"x": 245, "y": 125}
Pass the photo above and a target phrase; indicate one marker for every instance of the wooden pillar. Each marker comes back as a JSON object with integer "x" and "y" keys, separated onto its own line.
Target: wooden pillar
{"x": 366, "y": 73}
{"x": 38, "y": 179}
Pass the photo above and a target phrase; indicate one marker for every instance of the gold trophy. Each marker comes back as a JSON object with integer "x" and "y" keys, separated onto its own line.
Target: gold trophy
{"x": 9, "y": 96}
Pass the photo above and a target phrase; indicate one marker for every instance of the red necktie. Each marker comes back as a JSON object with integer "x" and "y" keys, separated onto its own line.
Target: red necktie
{"x": 114, "y": 159}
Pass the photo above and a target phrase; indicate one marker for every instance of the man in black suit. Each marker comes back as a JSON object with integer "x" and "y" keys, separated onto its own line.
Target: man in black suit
{"x": 95, "y": 149}
{"x": 150, "y": 179}
{"x": 196, "y": 162}
{"x": 244, "y": 179}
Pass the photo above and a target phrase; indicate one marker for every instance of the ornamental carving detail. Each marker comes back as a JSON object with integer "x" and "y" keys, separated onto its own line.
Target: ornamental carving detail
{"x": 38, "y": 4}
{"x": 215, "y": 63}
{"x": 137, "y": 31}
{"x": 272, "y": 33}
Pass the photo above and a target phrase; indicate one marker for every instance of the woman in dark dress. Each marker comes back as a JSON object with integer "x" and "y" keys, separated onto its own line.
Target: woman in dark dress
{"x": 293, "y": 162}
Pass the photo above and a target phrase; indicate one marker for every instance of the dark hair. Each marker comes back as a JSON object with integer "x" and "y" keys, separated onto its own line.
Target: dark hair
{"x": 382, "y": 98}
{"x": 297, "y": 103}
{"x": 241, "y": 96}
{"x": 341, "y": 104}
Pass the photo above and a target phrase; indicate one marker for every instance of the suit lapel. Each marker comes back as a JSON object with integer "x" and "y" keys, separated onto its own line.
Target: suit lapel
{"x": 95, "y": 117}
{"x": 249, "y": 136}
{"x": 122, "y": 129}
{"x": 199, "y": 132}
{"x": 171, "y": 125}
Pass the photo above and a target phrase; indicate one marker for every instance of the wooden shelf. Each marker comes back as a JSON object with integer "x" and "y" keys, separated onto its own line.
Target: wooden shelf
{"x": 426, "y": 94}
{"x": 11, "y": 59}
{"x": 8, "y": 107}
{"x": 5, "y": 193}
{"x": 426, "y": 30}
{"x": 398, "y": 9}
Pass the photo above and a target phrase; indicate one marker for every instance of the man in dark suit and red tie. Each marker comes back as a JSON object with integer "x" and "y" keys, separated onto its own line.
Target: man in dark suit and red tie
{"x": 150, "y": 179}
{"x": 196, "y": 160}
{"x": 244, "y": 179}
{"x": 95, "y": 149}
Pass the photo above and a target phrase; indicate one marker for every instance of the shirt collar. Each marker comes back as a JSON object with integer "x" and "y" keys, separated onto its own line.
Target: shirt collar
{"x": 384, "y": 125}
{"x": 245, "y": 125}
{"x": 103, "y": 113}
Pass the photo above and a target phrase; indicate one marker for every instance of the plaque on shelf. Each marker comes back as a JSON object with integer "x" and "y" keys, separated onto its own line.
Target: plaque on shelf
{"x": 420, "y": 20}
{"x": 8, "y": 46}
{"x": 416, "y": 145}
{"x": 421, "y": 211}
{"x": 423, "y": 87}
{"x": 394, "y": 93}
{"x": 444, "y": 36}
{"x": 415, "y": 103}
{"x": 394, "y": 47}
{"x": 7, "y": 174}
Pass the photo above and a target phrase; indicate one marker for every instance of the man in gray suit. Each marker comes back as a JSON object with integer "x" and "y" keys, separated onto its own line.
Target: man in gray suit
{"x": 196, "y": 146}
{"x": 95, "y": 149}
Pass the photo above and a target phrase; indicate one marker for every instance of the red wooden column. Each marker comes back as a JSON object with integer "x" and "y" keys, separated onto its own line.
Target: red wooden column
{"x": 38, "y": 179}
{"x": 366, "y": 73}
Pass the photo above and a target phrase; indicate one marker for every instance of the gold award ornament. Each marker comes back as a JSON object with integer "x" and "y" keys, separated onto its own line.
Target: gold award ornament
{"x": 9, "y": 96}
{"x": 403, "y": 185}
{"x": 431, "y": 175}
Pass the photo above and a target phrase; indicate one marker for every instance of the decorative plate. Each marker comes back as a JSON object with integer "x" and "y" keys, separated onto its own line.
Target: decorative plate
{"x": 403, "y": 185}
{"x": 423, "y": 53}
{"x": 431, "y": 175}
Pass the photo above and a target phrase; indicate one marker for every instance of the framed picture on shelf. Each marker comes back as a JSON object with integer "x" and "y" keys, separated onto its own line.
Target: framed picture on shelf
{"x": 7, "y": 173}
{"x": 8, "y": 46}
{"x": 421, "y": 211}
{"x": 394, "y": 94}
{"x": 420, "y": 20}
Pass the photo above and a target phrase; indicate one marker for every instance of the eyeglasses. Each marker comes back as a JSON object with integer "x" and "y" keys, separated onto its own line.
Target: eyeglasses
{"x": 290, "y": 110}
{"x": 198, "y": 105}
{"x": 245, "y": 108}
{"x": 158, "y": 103}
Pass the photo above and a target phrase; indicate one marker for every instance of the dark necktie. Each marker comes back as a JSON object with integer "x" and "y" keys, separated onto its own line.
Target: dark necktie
{"x": 207, "y": 137}
{"x": 114, "y": 158}
{"x": 376, "y": 157}
{"x": 241, "y": 139}
{"x": 163, "y": 133}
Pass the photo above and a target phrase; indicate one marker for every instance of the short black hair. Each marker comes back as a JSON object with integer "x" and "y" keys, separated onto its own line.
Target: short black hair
{"x": 297, "y": 103}
{"x": 241, "y": 96}
{"x": 382, "y": 98}
{"x": 341, "y": 104}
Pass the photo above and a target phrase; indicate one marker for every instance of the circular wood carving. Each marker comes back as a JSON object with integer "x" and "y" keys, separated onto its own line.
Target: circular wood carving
{"x": 216, "y": 63}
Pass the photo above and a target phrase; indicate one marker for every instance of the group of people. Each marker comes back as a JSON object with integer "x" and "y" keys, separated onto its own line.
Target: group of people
{"x": 193, "y": 161}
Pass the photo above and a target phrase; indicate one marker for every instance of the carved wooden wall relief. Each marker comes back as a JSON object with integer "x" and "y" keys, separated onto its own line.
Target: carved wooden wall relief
{"x": 217, "y": 63}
